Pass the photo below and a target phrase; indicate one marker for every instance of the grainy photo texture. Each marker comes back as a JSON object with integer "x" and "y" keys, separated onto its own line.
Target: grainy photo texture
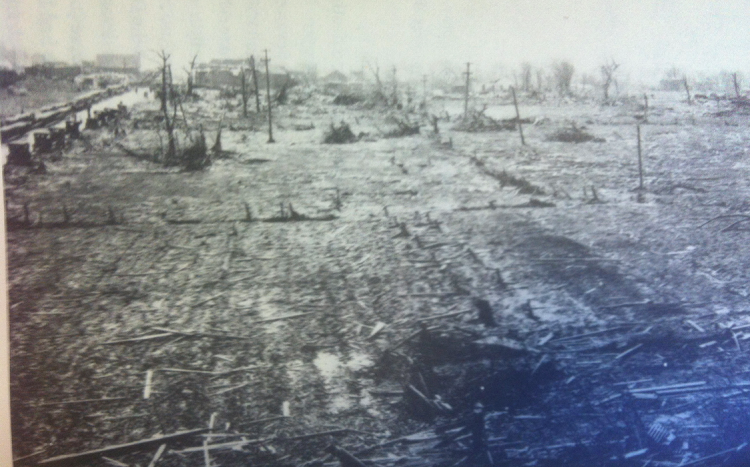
{"x": 377, "y": 233}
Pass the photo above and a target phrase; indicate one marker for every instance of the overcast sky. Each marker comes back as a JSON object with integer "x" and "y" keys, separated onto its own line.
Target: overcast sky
{"x": 644, "y": 36}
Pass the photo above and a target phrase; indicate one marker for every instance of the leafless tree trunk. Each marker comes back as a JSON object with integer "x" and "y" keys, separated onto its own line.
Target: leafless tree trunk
{"x": 608, "y": 77}
{"x": 687, "y": 89}
{"x": 190, "y": 76}
{"x": 376, "y": 75}
{"x": 736, "y": 82}
{"x": 526, "y": 77}
{"x": 244, "y": 92}
{"x": 563, "y": 73}
{"x": 255, "y": 84}
{"x": 539, "y": 80}
{"x": 169, "y": 120}
{"x": 395, "y": 88}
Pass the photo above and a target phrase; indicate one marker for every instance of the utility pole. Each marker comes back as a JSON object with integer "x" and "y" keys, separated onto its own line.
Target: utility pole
{"x": 255, "y": 84}
{"x": 424, "y": 89}
{"x": 466, "y": 96}
{"x": 268, "y": 96}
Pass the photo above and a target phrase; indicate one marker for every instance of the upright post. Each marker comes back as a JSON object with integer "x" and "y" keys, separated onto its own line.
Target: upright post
{"x": 395, "y": 88}
{"x": 255, "y": 84}
{"x": 268, "y": 96}
{"x": 466, "y": 94}
{"x": 244, "y": 92}
{"x": 736, "y": 85}
{"x": 640, "y": 160}
{"x": 518, "y": 116}
{"x": 687, "y": 89}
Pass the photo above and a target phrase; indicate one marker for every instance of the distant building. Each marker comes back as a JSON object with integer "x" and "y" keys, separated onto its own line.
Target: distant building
{"x": 335, "y": 82}
{"x": 54, "y": 70}
{"x": 123, "y": 63}
{"x": 227, "y": 73}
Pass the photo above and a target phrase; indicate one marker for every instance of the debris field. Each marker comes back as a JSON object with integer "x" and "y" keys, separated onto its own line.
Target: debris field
{"x": 403, "y": 298}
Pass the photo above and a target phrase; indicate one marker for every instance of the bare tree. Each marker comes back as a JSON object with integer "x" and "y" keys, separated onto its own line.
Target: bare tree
{"x": 673, "y": 73}
{"x": 190, "y": 76}
{"x": 395, "y": 88}
{"x": 687, "y": 89}
{"x": 539, "y": 79}
{"x": 167, "y": 91}
{"x": 563, "y": 75}
{"x": 376, "y": 74}
{"x": 737, "y": 81}
{"x": 255, "y": 84}
{"x": 526, "y": 84}
{"x": 608, "y": 77}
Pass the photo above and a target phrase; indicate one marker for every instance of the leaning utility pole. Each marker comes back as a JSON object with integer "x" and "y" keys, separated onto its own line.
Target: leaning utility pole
{"x": 255, "y": 84}
{"x": 268, "y": 95}
{"x": 466, "y": 96}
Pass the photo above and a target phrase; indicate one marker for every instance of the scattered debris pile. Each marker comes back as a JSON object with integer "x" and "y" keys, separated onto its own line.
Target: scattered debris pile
{"x": 196, "y": 156}
{"x": 524, "y": 186}
{"x": 574, "y": 134}
{"x": 478, "y": 121}
{"x": 340, "y": 134}
{"x": 348, "y": 99}
{"x": 403, "y": 127}
{"x": 556, "y": 399}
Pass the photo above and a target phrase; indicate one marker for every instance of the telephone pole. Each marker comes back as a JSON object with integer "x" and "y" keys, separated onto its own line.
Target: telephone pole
{"x": 424, "y": 89}
{"x": 466, "y": 96}
{"x": 268, "y": 96}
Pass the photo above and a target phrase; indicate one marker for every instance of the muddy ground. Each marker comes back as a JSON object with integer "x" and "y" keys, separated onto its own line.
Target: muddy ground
{"x": 144, "y": 299}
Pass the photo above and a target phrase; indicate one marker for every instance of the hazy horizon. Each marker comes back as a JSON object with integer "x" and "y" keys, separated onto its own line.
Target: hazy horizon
{"x": 645, "y": 37}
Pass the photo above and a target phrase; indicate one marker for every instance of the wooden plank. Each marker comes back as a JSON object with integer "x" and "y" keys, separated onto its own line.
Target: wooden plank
{"x": 222, "y": 391}
{"x": 77, "y": 458}
{"x": 627, "y": 352}
{"x": 444, "y": 315}
{"x": 191, "y": 333}
{"x": 379, "y": 326}
{"x": 147, "y": 386}
{"x": 137, "y": 339}
{"x": 81, "y": 401}
{"x": 269, "y": 320}
{"x": 157, "y": 456}
{"x": 668, "y": 387}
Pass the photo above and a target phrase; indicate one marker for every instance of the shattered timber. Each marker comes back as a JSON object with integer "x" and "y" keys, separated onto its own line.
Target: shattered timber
{"x": 425, "y": 293}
